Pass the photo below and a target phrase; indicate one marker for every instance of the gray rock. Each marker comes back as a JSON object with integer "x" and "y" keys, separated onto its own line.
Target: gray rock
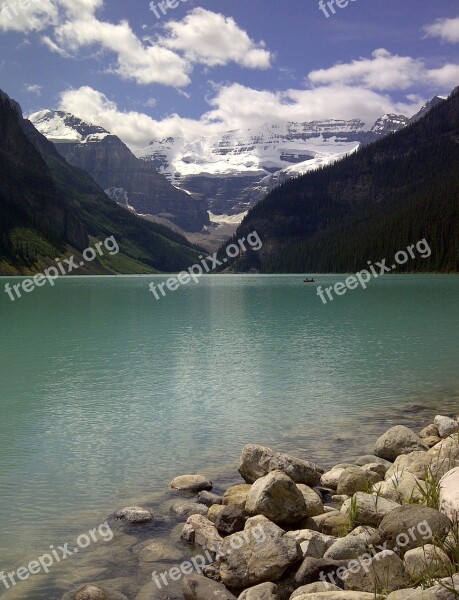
{"x": 262, "y": 554}
{"x": 356, "y": 479}
{"x": 199, "y": 530}
{"x": 447, "y": 589}
{"x": 381, "y": 470}
{"x": 186, "y": 508}
{"x": 398, "y": 440}
{"x": 312, "y": 543}
{"x": 277, "y": 498}
{"x": 383, "y": 572}
{"x": 197, "y": 587}
{"x": 313, "y": 588}
{"x": 312, "y": 570}
{"x": 370, "y": 509}
{"x": 426, "y": 561}
{"x": 258, "y": 461}
{"x": 371, "y": 458}
{"x": 191, "y": 483}
{"x": 209, "y": 498}
{"x": 313, "y": 501}
{"x": 93, "y": 592}
{"x": 411, "y": 594}
{"x": 230, "y": 520}
{"x": 429, "y": 431}
{"x": 347, "y": 547}
{"x": 446, "y": 426}
{"x": 237, "y": 494}
{"x": 411, "y": 526}
{"x": 263, "y": 591}
{"x": 134, "y": 515}
{"x": 449, "y": 494}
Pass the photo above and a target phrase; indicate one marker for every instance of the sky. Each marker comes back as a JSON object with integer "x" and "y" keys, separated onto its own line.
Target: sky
{"x": 207, "y": 66}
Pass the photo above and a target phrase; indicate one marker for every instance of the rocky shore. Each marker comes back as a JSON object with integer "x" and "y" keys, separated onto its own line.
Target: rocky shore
{"x": 382, "y": 527}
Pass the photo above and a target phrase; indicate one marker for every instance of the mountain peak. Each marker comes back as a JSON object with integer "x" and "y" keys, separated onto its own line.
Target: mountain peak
{"x": 63, "y": 127}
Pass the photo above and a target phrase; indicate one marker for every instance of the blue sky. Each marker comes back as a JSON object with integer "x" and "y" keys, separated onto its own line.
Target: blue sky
{"x": 211, "y": 65}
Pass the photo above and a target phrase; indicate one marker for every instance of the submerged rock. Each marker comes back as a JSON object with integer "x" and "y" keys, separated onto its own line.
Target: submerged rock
{"x": 134, "y": 515}
{"x": 191, "y": 483}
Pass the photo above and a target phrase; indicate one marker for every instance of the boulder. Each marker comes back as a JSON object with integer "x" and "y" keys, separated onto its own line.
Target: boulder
{"x": 446, "y": 589}
{"x": 93, "y": 592}
{"x": 314, "y": 569}
{"x": 330, "y": 478}
{"x": 411, "y": 594}
{"x": 447, "y": 449}
{"x": 277, "y": 498}
{"x": 371, "y": 459}
{"x": 186, "y": 508}
{"x": 356, "y": 479}
{"x": 384, "y": 572}
{"x": 429, "y": 431}
{"x": 215, "y": 510}
{"x": 446, "y": 426}
{"x": 134, "y": 515}
{"x": 398, "y": 440}
{"x": 312, "y": 588}
{"x": 431, "y": 441}
{"x": 378, "y": 468}
{"x": 312, "y": 543}
{"x": 335, "y": 523}
{"x": 237, "y": 494}
{"x": 199, "y": 530}
{"x": 258, "y": 461}
{"x": 314, "y": 504}
{"x": 259, "y": 558}
{"x": 412, "y": 526}
{"x": 264, "y": 591}
{"x": 340, "y": 596}
{"x": 198, "y": 587}
{"x": 404, "y": 461}
{"x": 230, "y": 520}
{"x": 209, "y": 498}
{"x": 449, "y": 494}
{"x": 427, "y": 561}
{"x": 350, "y": 546}
{"x": 156, "y": 551}
{"x": 191, "y": 483}
{"x": 370, "y": 509}
{"x": 402, "y": 488}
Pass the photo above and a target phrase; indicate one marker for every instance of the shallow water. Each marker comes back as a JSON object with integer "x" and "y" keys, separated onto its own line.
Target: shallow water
{"x": 107, "y": 394}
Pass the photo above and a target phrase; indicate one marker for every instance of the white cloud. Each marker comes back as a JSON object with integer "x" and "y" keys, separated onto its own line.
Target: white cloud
{"x": 212, "y": 39}
{"x": 445, "y": 77}
{"x": 384, "y": 71}
{"x": 33, "y": 88}
{"x": 235, "y": 107}
{"x": 445, "y": 29}
{"x": 135, "y": 60}
{"x": 23, "y": 17}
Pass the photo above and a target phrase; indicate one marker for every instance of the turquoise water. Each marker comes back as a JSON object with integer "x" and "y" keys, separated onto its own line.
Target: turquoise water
{"x": 106, "y": 393}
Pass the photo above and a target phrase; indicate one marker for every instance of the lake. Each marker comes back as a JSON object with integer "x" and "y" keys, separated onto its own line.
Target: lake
{"x": 107, "y": 394}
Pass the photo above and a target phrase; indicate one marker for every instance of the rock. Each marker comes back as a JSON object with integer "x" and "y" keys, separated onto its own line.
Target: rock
{"x": 258, "y": 461}
{"x": 186, "y": 508}
{"x": 156, "y": 551}
{"x": 347, "y": 547}
{"x": 277, "y": 498}
{"x": 311, "y": 588}
{"x": 429, "y": 431}
{"x": 431, "y": 441}
{"x": 446, "y": 426}
{"x": 313, "y": 569}
{"x": 428, "y": 561}
{"x": 215, "y": 510}
{"x": 209, "y": 498}
{"x": 313, "y": 501}
{"x": 355, "y": 479}
{"x": 369, "y": 508}
{"x": 330, "y": 478}
{"x": 237, "y": 494}
{"x": 93, "y": 592}
{"x": 230, "y": 520}
{"x": 447, "y": 589}
{"x": 403, "y": 488}
{"x": 264, "y": 591}
{"x": 447, "y": 449}
{"x": 336, "y": 524}
{"x": 312, "y": 543}
{"x": 378, "y": 468}
{"x": 372, "y": 459}
{"x": 134, "y": 515}
{"x": 340, "y": 499}
{"x": 384, "y": 572}
{"x": 191, "y": 483}
{"x": 340, "y": 596}
{"x": 412, "y": 526}
{"x": 404, "y": 461}
{"x": 264, "y": 555}
{"x": 197, "y": 587}
{"x": 411, "y": 594}
{"x": 398, "y": 440}
{"x": 199, "y": 530}
{"x": 449, "y": 494}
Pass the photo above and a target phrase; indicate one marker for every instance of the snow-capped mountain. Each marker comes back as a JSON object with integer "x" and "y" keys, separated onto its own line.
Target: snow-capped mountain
{"x": 133, "y": 183}
{"x": 235, "y": 170}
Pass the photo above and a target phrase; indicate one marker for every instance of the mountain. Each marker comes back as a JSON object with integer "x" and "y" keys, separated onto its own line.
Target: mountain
{"x": 426, "y": 108}
{"x": 50, "y": 209}
{"x": 127, "y": 180}
{"x": 235, "y": 170}
{"x": 368, "y": 206}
